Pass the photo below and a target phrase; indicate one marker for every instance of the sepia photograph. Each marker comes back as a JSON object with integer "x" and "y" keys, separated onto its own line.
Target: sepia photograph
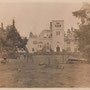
{"x": 44, "y": 44}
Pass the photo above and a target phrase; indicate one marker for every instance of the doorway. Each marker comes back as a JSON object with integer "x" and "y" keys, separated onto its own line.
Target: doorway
{"x": 57, "y": 49}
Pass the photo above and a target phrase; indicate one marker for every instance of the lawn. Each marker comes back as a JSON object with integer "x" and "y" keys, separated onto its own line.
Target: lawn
{"x": 20, "y": 73}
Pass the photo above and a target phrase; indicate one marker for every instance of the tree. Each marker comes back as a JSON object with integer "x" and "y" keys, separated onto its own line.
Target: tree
{"x": 83, "y": 33}
{"x": 10, "y": 40}
{"x": 24, "y": 42}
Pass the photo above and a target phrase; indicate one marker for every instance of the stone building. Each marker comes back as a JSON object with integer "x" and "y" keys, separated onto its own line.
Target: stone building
{"x": 52, "y": 39}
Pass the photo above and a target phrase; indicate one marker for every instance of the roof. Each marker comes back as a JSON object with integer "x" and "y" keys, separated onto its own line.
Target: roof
{"x": 31, "y": 35}
{"x": 45, "y": 31}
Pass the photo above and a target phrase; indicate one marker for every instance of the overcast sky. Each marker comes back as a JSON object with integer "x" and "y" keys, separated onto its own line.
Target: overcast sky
{"x": 35, "y": 16}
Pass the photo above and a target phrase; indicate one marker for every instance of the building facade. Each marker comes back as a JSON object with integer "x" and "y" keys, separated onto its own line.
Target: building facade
{"x": 52, "y": 39}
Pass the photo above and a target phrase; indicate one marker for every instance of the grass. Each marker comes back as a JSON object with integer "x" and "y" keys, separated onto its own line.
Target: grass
{"x": 20, "y": 73}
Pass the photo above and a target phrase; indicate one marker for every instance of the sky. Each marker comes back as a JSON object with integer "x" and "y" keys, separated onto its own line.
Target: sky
{"x": 35, "y": 16}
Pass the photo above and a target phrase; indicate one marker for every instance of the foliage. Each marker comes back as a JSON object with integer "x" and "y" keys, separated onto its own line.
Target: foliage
{"x": 83, "y": 33}
{"x": 10, "y": 40}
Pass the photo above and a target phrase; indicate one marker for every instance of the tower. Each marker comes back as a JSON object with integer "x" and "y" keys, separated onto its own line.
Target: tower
{"x": 57, "y": 35}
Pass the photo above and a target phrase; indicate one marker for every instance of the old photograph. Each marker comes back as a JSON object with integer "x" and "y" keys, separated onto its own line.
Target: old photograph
{"x": 44, "y": 44}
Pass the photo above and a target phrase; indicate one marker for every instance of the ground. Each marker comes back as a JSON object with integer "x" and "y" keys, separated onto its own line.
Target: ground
{"x": 20, "y": 73}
